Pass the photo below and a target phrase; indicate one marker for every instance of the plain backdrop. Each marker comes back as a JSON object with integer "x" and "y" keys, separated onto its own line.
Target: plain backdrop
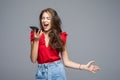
{"x": 93, "y": 28}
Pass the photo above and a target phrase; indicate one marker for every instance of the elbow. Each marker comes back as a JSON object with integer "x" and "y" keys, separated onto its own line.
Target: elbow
{"x": 66, "y": 64}
{"x": 33, "y": 61}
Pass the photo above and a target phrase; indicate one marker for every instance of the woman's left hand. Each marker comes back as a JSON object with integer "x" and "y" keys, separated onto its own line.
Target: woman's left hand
{"x": 90, "y": 67}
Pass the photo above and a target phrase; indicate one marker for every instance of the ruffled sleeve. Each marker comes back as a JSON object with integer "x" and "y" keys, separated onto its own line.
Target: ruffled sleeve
{"x": 64, "y": 36}
{"x": 31, "y": 35}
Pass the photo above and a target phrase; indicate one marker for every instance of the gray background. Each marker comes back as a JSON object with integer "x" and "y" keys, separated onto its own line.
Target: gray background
{"x": 93, "y": 28}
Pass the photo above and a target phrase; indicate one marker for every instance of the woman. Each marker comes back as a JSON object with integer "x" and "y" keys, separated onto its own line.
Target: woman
{"x": 47, "y": 43}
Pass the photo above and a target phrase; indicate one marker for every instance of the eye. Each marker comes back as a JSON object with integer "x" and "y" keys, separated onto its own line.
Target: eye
{"x": 48, "y": 18}
{"x": 43, "y": 18}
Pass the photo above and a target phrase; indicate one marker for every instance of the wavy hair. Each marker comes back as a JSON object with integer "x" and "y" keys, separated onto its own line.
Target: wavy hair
{"x": 55, "y": 41}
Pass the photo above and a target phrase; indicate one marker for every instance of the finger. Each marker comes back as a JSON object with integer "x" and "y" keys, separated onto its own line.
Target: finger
{"x": 41, "y": 31}
{"x": 90, "y": 63}
{"x": 34, "y": 31}
{"x": 93, "y": 71}
{"x": 38, "y": 32}
{"x": 97, "y": 68}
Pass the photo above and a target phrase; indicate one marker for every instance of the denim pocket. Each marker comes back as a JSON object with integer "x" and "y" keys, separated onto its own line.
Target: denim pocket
{"x": 41, "y": 73}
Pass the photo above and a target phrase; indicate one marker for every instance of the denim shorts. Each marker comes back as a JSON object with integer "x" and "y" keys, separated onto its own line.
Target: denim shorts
{"x": 51, "y": 71}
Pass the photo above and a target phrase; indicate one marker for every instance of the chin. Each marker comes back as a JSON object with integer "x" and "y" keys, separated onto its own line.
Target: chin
{"x": 46, "y": 30}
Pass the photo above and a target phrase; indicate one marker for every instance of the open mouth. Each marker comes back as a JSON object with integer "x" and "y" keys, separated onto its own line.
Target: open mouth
{"x": 45, "y": 25}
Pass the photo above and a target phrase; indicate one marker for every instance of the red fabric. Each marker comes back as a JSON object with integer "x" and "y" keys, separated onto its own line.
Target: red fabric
{"x": 46, "y": 54}
{"x": 32, "y": 35}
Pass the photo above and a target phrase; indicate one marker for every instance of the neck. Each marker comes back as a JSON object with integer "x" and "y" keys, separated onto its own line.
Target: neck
{"x": 47, "y": 32}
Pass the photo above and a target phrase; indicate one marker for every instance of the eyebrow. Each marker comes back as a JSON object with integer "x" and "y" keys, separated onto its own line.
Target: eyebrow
{"x": 46, "y": 17}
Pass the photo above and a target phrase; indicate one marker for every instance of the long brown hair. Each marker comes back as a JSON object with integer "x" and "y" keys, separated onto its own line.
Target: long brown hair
{"x": 55, "y": 41}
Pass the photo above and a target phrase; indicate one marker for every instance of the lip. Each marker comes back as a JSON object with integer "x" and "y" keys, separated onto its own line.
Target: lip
{"x": 45, "y": 24}
{"x": 45, "y": 27}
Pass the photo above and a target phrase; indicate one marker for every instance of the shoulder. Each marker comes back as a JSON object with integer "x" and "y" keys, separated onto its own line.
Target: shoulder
{"x": 63, "y": 36}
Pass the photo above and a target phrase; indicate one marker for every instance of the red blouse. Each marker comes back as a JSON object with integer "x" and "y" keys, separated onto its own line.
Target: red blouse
{"x": 47, "y": 54}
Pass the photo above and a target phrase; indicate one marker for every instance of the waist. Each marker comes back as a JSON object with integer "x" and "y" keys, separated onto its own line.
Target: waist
{"x": 47, "y": 60}
{"x": 50, "y": 63}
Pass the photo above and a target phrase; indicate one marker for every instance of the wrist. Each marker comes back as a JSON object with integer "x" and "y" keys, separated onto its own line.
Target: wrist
{"x": 36, "y": 39}
{"x": 82, "y": 67}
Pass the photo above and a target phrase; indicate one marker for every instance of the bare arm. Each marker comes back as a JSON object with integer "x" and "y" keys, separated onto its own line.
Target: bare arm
{"x": 34, "y": 46}
{"x": 68, "y": 63}
{"x": 34, "y": 51}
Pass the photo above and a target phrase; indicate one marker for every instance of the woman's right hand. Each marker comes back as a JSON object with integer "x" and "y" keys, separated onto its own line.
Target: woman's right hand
{"x": 37, "y": 35}
{"x": 35, "y": 45}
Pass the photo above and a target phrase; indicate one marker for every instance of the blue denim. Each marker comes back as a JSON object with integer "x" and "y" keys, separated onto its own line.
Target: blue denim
{"x": 51, "y": 71}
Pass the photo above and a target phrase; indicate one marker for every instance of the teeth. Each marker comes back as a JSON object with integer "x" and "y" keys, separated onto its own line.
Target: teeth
{"x": 45, "y": 24}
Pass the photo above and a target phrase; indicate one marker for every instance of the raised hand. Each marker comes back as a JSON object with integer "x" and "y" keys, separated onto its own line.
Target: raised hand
{"x": 37, "y": 34}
